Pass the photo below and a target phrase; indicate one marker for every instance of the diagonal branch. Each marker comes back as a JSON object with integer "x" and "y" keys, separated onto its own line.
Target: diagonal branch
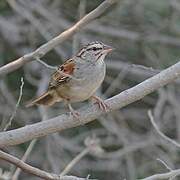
{"x": 90, "y": 112}
{"x": 35, "y": 171}
{"x": 42, "y": 50}
{"x": 24, "y": 158}
{"x": 173, "y": 142}
{"x": 168, "y": 175}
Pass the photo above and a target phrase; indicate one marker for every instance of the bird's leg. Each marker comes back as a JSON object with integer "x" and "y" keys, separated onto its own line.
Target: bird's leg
{"x": 74, "y": 113}
{"x": 102, "y": 105}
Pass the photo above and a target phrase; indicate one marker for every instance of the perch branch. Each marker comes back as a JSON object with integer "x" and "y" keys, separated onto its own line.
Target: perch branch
{"x": 90, "y": 112}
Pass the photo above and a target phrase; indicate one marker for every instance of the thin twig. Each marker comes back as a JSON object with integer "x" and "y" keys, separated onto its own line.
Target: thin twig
{"x": 167, "y": 175}
{"x": 92, "y": 146}
{"x": 74, "y": 161}
{"x": 116, "y": 81}
{"x": 46, "y": 65}
{"x": 161, "y": 161}
{"x": 24, "y": 158}
{"x": 17, "y": 105}
{"x": 41, "y": 28}
{"x": 42, "y": 50}
{"x": 35, "y": 171}
{"x": 161, "y": 133}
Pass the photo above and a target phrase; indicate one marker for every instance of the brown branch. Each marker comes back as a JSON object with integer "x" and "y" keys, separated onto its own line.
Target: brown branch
{"x": 35, "y": 171}
{"x": 42, "y": 50}
{"x": 91, "y": 112}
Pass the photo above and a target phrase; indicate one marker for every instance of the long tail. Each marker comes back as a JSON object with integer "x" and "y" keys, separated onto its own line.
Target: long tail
{"x": 45, "y": 99}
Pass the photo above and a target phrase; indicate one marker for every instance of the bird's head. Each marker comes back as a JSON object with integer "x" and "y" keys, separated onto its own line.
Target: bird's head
{"x": 94, "y": 51}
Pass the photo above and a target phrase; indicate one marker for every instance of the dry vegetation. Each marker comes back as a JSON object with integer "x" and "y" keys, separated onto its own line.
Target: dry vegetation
{"x": 130, "y": 143}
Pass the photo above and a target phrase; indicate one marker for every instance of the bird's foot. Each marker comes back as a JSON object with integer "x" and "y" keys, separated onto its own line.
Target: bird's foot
{"x": 102, "y": 105}
{"x": 73, "y": 112}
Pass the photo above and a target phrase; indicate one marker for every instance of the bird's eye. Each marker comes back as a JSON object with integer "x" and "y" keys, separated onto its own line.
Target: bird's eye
{"x": 94, "y": 48}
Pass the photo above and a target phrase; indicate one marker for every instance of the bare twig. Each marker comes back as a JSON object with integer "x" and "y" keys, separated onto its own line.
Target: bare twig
{"x": 92, "y": 146}
{"x": 112, "y": 31}
{"x": 91, "y": 112}
{"x": 167, "y": 167}
{"x": 17, "y": 105}
{"x": 116, "y": 81}
{"x": 24, "y": 158}
{"x": 46, "y": 65}
{"x": 42, "y": 50}
{"x": 74, "y": 161}
{"x": 34, "y": 21}
{"x": 35, "y": 171}
{"x": 134, "y": 69}
{"x": 167, "y": 175}
{"x": 159, "y": 132}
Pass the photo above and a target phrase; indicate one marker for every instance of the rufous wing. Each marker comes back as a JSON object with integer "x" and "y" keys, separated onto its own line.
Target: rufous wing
{"x": 59, "y": 78}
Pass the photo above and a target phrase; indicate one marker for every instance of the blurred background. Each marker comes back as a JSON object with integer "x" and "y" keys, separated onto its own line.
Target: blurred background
{"x": 146, "y": 38}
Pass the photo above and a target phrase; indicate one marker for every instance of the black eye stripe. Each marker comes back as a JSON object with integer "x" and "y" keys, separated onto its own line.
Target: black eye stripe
{"x": 85, "y": 49}
{"x": 93, "y": 48}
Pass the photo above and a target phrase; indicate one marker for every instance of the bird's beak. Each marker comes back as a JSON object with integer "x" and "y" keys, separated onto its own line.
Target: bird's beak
{"x": 108, "y": 49}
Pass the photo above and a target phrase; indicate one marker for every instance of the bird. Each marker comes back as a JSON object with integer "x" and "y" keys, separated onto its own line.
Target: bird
{"x": 77, "y": 79}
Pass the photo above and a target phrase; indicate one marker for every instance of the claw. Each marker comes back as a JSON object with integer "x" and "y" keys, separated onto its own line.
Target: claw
{"x": 102, "y": 105}
{"x": 73, "y": 112}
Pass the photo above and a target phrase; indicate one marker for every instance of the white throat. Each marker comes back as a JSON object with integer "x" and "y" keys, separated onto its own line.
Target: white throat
{"x": 100, "y": 61}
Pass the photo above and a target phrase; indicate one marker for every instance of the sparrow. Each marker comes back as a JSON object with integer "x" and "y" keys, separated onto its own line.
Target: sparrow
{"x": 78, "y": 78}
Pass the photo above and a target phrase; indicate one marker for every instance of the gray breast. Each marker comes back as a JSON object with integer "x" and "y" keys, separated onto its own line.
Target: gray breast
{"x": 91, "y": 76}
